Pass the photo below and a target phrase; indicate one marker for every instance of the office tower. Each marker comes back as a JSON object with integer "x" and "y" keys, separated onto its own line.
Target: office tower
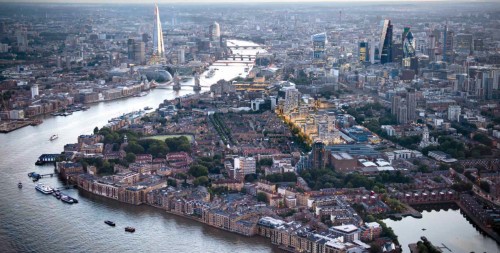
{"x": 408, "y": 43}
{"x": 411, "y": 104}
{"x": 454, "y": 112}
{"x": 136, "y": 51}
{"x": 463, "y": 42}
{"x": 214, "y": 32}
{"x": 447, "y": 44}
{"x": 396, "y": 100}
{"x": 319, "y": 42}
{"x": 385, "y": 49}
{"x": 145, "y": 37}
{"x": 130, "y": 47}
{"x": 372, "y": 52}
{"x": 431, "y": 49}
{"x": 140, "y": 52}
{"x": 397, "y": 52}
{"x": 364, "y": 53}
{"x": 158, "y": 46}
{"x": 488, "y": 88}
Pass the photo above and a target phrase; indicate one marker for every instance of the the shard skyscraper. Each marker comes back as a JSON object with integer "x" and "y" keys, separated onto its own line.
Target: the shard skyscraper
{"x": 158, "y": 46}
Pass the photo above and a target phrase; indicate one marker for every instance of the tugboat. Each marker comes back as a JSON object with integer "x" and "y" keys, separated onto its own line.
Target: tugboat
{"x": 130, "y": 229}
{"x": 53, "y": 137}
{"x": 109, "y": 223}
{"x": 19, "y": 185}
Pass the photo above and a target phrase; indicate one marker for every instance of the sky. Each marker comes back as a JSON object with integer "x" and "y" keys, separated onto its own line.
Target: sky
{"x": 224, "y": 1}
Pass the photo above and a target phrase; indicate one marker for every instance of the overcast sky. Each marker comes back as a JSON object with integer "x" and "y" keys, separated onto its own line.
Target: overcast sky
{"x": 223, "y": 1}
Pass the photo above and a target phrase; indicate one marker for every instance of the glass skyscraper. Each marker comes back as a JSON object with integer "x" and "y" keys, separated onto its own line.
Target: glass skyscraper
{"x": 385, "y": 50}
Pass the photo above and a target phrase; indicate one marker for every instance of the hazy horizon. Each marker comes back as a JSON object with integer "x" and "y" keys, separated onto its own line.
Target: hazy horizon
{"x": 229, "y": 1}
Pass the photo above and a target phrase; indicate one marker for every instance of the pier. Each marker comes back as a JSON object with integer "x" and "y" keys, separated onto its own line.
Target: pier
{"x": 47, "y": 158}
{"x": 35, "y": 176}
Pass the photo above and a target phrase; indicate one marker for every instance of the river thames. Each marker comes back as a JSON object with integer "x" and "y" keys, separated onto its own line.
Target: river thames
{"x": 33, "y": 222}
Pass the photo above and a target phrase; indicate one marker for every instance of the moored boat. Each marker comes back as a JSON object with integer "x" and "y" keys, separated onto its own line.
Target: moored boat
{"x": 210, "y": 73}
{"x": 44, "y": 189}
{"x": 110, "y": 223}
{"x": 67, "y": 199}
{"x": 57, "y": 194}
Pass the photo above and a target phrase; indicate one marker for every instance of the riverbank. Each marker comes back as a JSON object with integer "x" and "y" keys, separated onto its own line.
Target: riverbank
{"x": 12, "y": 125}
{"x": 478, "y": 223}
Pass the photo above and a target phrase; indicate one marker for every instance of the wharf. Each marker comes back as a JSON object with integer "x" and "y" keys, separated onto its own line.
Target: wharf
{"x": 11, "y": 125}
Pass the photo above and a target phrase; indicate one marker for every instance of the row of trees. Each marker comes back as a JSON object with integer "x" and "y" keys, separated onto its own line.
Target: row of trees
{"x": 328, "y": 178}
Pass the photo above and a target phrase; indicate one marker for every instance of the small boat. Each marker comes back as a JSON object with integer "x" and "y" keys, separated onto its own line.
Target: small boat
{"x": 67, "y": 199}
{"x": 57, "y": 194}
{"x": 110, "y": 223}
{"x": 130, "y": 229}
{"x": 53, "y": 137}
{"x": 210, "y": 73}
{"x": 142, "y": 94}
{"x": 19, "y": 185}
{"x": 44, "y": 189}
{"x": 147, "y": 108}
{"x": 423, "y": 229}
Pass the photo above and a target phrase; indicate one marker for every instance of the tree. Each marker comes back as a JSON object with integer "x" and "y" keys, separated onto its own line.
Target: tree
{"x": 134, "y": 148}
{"x": 203, "y": 180}
{"x": 96, "y": 130}
{"x": 482, "y": 138}
{"x": 130, "y": 157}
{"x": 178, "y": 144}
{"x": 485, "y": 186}
{"x": 375, "y": 248}
{"x": 172, "y": 182}
{"x": 261, "y": 197}
{"x": 197, "y": 170}
{"x": 266, "y": 162}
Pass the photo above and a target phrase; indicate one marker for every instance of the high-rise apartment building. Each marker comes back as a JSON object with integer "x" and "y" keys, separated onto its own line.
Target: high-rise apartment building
{"x": 411, "y": 104}
{"x": 454, "y": 112}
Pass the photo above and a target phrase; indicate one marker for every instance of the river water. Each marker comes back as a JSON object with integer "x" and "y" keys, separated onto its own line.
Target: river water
{"x": 33, "y": 222}
{"x": 444, "y": 226}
